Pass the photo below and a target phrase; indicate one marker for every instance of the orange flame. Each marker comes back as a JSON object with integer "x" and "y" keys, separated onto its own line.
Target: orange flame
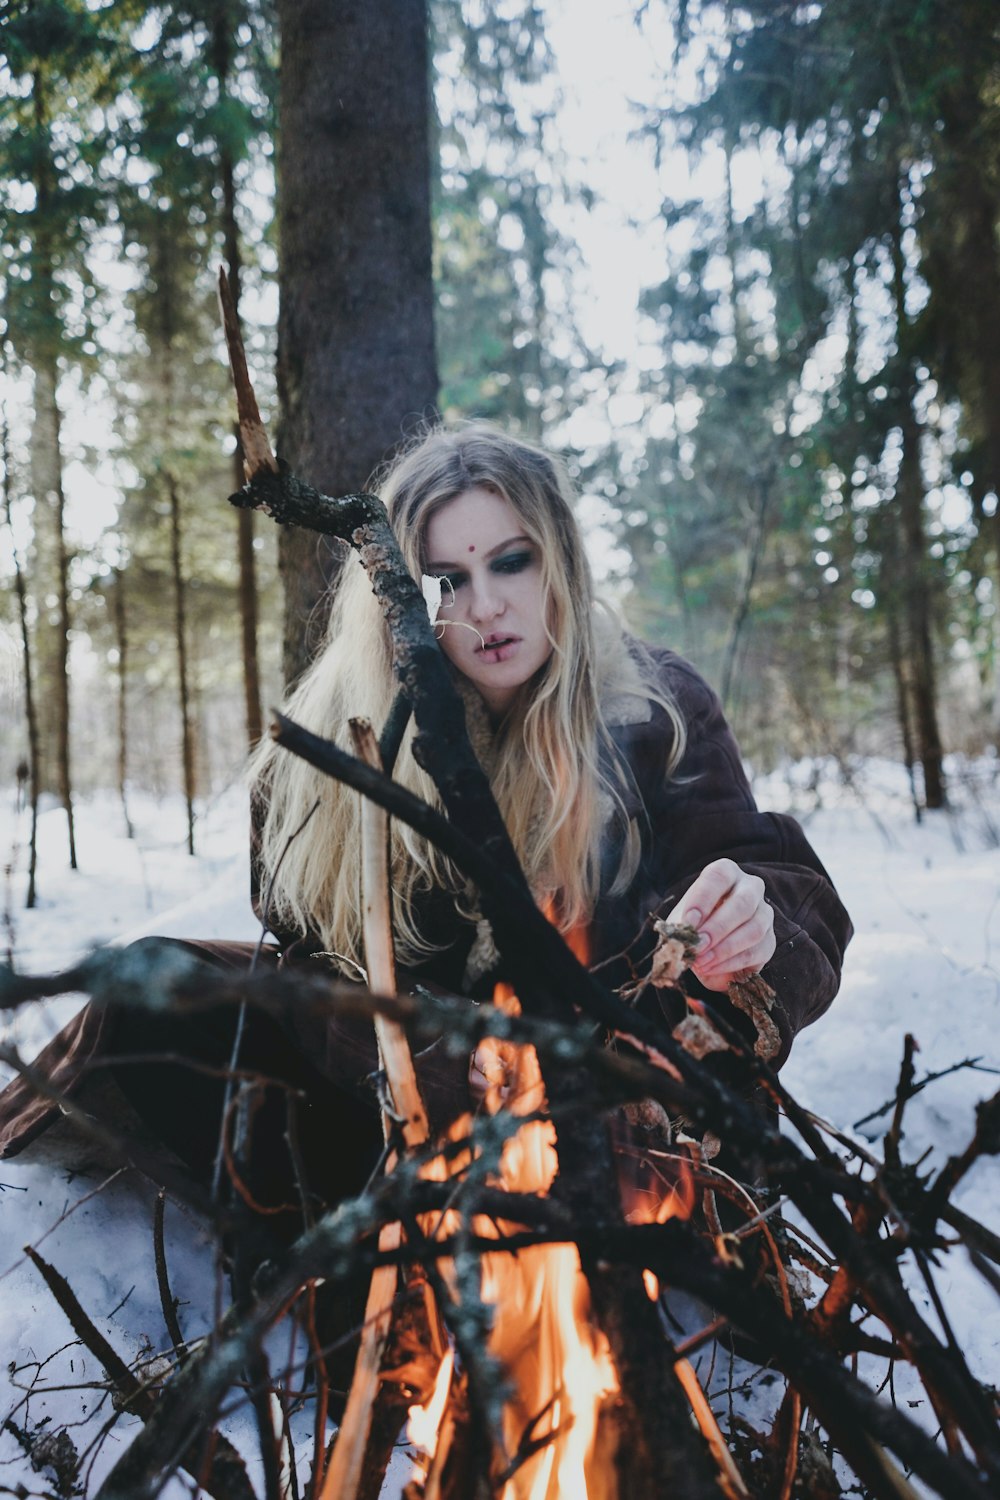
{"x": 425, "y": 1421}
{"x": 559, "y": 1365}
{"x": 557, "y": 1361}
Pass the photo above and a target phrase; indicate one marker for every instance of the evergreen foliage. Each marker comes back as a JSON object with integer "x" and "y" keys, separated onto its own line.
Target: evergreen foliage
{"x": 820, "y": 497}
{"x": 810, "y": 498}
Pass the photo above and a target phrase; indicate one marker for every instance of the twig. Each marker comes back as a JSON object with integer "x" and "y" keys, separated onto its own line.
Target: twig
{"x": 972, "y": 1063}
{"x": 904, "y": 1092}
{"x": 167, "y": 1302}
{"x": 730, "y": 1478}
{"x": 268, "y": 1435}
{"x": 985, "y": 1142}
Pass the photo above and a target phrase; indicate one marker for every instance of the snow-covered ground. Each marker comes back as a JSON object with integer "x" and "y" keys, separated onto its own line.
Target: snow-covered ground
{"x": 926, "y": 960}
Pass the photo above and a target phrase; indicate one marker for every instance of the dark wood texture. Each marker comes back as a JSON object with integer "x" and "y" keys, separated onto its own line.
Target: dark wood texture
{"x": 356, "y": 363}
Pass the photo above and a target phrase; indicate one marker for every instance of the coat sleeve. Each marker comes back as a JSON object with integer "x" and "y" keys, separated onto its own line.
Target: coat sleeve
{"x": 706, "y": 811}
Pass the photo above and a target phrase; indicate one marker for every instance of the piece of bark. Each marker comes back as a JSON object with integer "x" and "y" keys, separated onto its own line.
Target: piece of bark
{"x": 755, "y": 998}
{"x": 699, "y": 1037}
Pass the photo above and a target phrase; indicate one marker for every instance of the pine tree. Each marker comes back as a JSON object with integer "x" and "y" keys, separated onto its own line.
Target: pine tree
{"x": 52, "y": 141}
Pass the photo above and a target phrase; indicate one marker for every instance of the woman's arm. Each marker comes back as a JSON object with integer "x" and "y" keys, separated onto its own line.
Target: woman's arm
{"x": 765, "y": 899}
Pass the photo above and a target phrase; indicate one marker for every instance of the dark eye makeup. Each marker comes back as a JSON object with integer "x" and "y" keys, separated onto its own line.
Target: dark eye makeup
{"x": 512, "y": 562}
{"x": 506, "y": 565}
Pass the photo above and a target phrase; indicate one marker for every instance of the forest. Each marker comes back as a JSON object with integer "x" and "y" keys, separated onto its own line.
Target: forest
{"x": 738, "y": 265}
{"x": 794, "y": 472}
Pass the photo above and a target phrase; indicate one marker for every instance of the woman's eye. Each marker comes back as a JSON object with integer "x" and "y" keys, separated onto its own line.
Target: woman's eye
{"x": 449, "y": 583}
{"x": 513, "y": 562}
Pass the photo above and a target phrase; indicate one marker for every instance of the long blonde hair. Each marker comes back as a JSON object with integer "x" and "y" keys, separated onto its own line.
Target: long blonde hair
{"x": 551, "y": 762}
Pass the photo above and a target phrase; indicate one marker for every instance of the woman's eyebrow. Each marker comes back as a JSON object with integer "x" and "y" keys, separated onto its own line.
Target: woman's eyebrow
{"x": 451, "y": 567}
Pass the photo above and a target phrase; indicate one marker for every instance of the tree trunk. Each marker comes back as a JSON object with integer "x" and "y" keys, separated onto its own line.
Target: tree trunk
{"x": 50, "y": 502}
{"x": 52, "y": 574}
{"x": 180, "y": 627}
{"x": 917, "y": 602}
{"x": 30, "y": 713}
{"x": 221, "y": 60}
{"x": 910, "y": 499}
{"x": 969, "y": 252}
{"x": 900, "y": 677}
{"x": 121, "y": 641}
{"x": 356, "y": 362}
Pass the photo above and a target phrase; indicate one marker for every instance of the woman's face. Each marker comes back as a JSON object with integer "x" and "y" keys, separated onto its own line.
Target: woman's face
{"x": 493, "y": 605}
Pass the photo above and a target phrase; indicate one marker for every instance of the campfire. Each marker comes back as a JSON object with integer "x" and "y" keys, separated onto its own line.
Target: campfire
{"x": 527, "y": 1343}
{"x": 557, "y": 1363}
{"x": 557, "y": 1436}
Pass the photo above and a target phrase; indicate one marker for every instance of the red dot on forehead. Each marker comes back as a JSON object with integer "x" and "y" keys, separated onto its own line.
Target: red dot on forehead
{"x": 472, "y": 549}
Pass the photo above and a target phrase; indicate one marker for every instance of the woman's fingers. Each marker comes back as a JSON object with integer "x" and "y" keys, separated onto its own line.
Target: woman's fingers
{"x": 489, "y": 1070}
{"x": 736, "y": 925}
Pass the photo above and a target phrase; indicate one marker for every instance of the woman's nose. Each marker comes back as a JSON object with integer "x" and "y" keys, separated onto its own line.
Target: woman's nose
{"x": 485, "y": 602}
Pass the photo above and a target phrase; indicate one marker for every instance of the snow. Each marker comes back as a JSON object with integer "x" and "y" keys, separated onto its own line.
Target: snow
{"x": 925, "y": 960}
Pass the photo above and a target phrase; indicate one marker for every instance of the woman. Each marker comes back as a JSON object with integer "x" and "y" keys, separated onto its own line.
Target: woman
{"x": 616, "y": 774}
{"x": 612, "y": 764}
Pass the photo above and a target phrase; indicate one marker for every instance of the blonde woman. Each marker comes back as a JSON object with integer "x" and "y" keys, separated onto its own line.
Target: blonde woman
{"x": 614, "y": 769}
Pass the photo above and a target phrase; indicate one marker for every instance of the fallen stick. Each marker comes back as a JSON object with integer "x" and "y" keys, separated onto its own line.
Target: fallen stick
{"x": 227, "y": 1477}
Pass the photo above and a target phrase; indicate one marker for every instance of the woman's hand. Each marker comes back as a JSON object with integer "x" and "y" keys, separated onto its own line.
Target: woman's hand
{"x": 726, "y": 906}
{"x": 490, "y": 1071}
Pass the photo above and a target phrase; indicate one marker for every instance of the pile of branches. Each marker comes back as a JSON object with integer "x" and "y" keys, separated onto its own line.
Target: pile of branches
{"x": 852, "y": 1218}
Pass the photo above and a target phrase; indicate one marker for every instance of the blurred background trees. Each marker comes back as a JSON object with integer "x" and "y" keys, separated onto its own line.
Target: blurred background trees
{"x": 803, "y": 497}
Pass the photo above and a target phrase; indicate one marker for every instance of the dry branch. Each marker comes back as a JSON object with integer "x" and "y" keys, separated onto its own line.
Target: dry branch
{"x": 226, "y": 1478}
{"x": 257, "y": 454}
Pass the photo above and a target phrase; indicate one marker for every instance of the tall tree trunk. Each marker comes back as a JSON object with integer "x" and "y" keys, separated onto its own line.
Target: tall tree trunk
{"x": 31, "y": 717}
{"x": 50, "y": 500}
{"x": 221, "y": 61}
{"x": 917, "y": 602}
{"x": 52, "y": 574}
{"x": 356, "y": 362}
{"x": 901, "y": 679}
{"x": 180, "y": 627}
{"x": 121, "y": 641}
{"x": 917, "y": 593}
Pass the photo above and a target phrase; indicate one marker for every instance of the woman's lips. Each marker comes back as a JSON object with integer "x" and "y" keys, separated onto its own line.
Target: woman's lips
{"x": 497, "y": 648}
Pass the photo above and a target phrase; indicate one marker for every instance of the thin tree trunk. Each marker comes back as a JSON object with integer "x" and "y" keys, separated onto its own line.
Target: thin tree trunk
{"x": 221, "y": 59}
{"x": 356, "y": 365}
{"x": 754, "y": 553}
{"x": 121, "y": 640}
{"x": 910, "y": 500}
{"x": 30, "y": 715}
{"x": 180, "y": 627}
{"x": 62, "y": 678}
{"x": 50, "y": 500}
{"x": 916, "y": 592}
{"x": 902, "y": 690}
{"x": 736, "y": 293}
